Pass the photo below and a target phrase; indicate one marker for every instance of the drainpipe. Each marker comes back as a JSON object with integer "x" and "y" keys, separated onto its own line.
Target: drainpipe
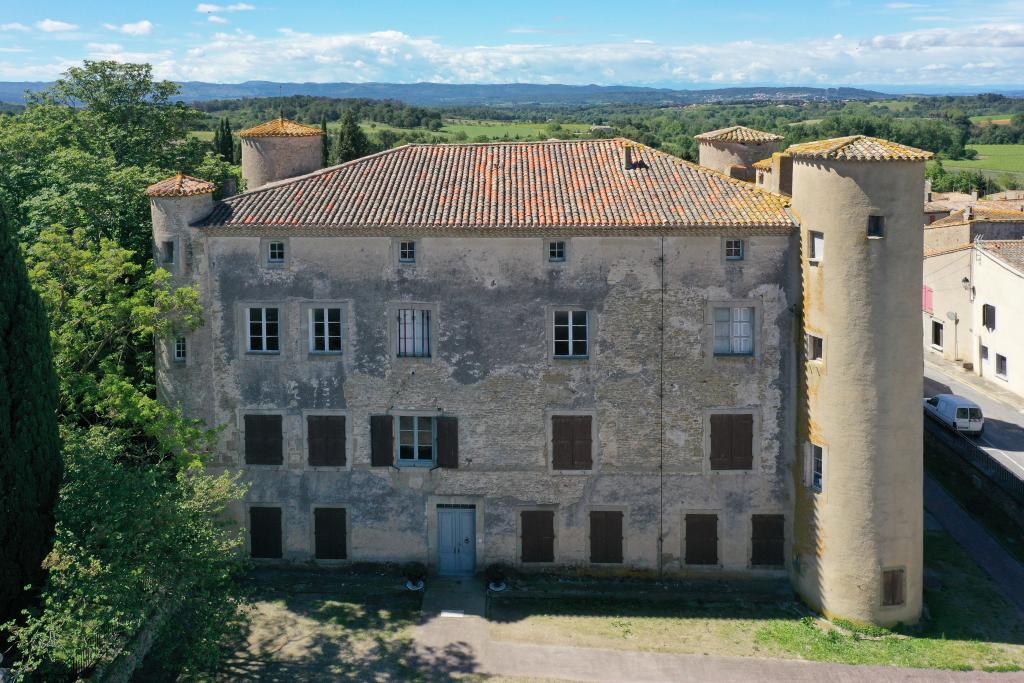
{"x": 661, "y": 421}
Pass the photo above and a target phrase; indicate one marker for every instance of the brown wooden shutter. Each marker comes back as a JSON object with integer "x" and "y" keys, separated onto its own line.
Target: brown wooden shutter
{"x": 561, "y": 442}
{"x": 326, "y": 440}
{"x": 382, "y": 448}
{"x": 701, "y": 539}
{"x": 265, "y": 532}
{"x": 263, "y": 441}
{"x": 329, "y": 533}
{"x": 893, "y": 587}
{"x": 538, "y": 536}
{"x": 448, "y": 442}
{"x": 768, "y": 540}
{"x": 606, "y": 536}
{"x": 581, "y": 445}
{"x": 742, "y": 451}
{"x": 721, "y": 444}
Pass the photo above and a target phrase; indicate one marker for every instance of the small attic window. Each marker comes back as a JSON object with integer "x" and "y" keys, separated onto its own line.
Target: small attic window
{"x": 876, "y": 227}
{"x": 167, "y": 252}
{"x": 275, "y": 253}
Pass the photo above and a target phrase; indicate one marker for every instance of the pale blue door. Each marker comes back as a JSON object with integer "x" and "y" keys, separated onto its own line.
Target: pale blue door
{"x": 456, "y": 540}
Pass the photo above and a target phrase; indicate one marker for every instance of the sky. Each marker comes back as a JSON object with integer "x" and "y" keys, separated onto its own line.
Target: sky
{"x": 660, "y": 42}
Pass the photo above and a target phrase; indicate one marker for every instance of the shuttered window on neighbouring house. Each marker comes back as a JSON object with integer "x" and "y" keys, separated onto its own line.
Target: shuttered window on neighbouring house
{"x": 927, "y": 296}
{"x": 606, "y": 536}
{"x": 701, "y": 539}
{"x": 893, "y": 587}
{"x": 325, "y": 438}
{"x": 571, "y": 442}
{"x": 732, "y": 441}
{"x": 988, "y": 316}
{"x": 537, "y": 528}
{"x": 767, "y": 540}
{"x": 265, "y": 532}
{"x": 382, "y": 453}
{"x": 263, "y": 442}
{"x": 329, "y": 533}
{"x": 448, "y": 442}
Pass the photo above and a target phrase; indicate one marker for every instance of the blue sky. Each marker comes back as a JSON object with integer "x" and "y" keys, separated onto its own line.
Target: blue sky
{"x": 663, "y": 42}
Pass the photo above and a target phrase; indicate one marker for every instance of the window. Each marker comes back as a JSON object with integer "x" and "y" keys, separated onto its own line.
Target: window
{"x": 937, "y": 334}
{"x": 606, "y": 536}
{"x": 167, "y": 252}
{"x": 413, "y": 333}
{"x": 1000, "y": 365}
{"x": 988, "y": 316}
{"x": 325, "y": 440}
{"x": 416, "y": 440}
{"x": 894, "y": 583}
{"x": 701, "y": 539}
{"x": 265, "y": 532}
{"x": 571, "y": 334}
{"x": 537, "y": 536}
{"x": 876, "y": 226}
{"x": 815, "y": 347}
{"x": 571, "y": 442}
{"x": 926, "y": 298}
{"x": 329, "y": 534}
{"x": 180, "y": 350}
{"x": 556, "y": 252}
{"x": 816, "y": 468}
{"x": 984, "y": 352}
{"x": 734, "y": 331}
{"x": 407, "y": 252}
{"x": 263, "y": 330}
{"x": 263, "y": 442}
{"x": 325, "y": 330}
{"x": 734, "y": 250}
{"x": 767, "y": 540}
{"x": 816, "y": 247}
{"x": 275, "y": 254}
{"x": 732, "y": 441}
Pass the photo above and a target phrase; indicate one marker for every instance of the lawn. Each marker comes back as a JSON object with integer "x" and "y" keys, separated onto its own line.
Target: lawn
{"x": 992, "y": 160}
{"x": 971, "y": 626}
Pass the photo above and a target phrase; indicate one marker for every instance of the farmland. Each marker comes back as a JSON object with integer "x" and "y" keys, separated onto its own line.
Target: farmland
{"x": 992, "y": 160}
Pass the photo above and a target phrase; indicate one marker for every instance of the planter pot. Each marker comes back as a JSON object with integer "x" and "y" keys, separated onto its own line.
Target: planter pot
{"x": 497, "y": 586}
{"x": 414, "y": 585}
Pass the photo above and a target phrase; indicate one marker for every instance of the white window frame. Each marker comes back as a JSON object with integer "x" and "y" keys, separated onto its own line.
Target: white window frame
{"x": 815, "y": 247}
{"x": 738, "y": 246}
{"x": 276, "y": 260}
{"x": 264, "y": 254}
{"x": 263, "y": 329}
{"x": 417, "y": 442}
{"x": 557, "y": 251}
{"x": 809, "y": 348}
{"x": 942, "y": 334}
{"x": 737, "y": 322}
{"x": 326, "y": 336}
{"x": 180, "y": 353}
{"x": 418, "y": 346}
{"x": 815, "y": 465}
{"x": 570, "y": 326}
{"x": 407, "y": 251}
{"x": 1005, "y": 373}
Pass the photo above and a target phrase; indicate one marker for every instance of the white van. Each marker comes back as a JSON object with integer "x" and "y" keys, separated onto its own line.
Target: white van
{"x": 956, "y": 412}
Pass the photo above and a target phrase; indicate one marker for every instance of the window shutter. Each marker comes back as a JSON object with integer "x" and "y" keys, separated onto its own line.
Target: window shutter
{"x": 561, "y": 442}
{"x": 893, "y": 587}
{"x": 581, "y": 443}
{"x": 448, "y": 442}
{"x": 720, "y": 441}
{"x": 329, "y": 533}
{"x": 265, "y": 532}
{"x": 263, "y": 441}
{"x": 988, "y": 316}
{"x": 926, "y": 298}
{"x": 326, "y": 440}
{"x": 606, "y": 536}
{"x": 768, "y": 540}
{"x": 742, "y": 455}
{"x": 538, "y": 536}
{"x": 701, "y": 539}
{"x": 382, "y": 450}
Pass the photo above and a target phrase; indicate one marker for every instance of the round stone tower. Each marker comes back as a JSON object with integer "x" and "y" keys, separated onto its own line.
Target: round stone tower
{"x": 175, "y": 204}
{"x": 858, "y": 514}
{"x": 279, "y": 149}
{"x": 734, "y": 150}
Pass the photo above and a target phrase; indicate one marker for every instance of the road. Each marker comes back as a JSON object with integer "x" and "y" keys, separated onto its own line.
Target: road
{"x": 1003, "y": 437}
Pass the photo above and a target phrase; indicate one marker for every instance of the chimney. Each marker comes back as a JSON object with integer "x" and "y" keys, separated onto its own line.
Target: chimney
{"x": 968, "y": 213}
{"x": 928, "y": 190}
{"x": 974, "y": 196}
{"x": 627, "y": 154}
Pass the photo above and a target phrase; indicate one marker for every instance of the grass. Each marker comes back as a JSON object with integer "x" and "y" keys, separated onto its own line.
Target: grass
{"x": 992, "y": 160}
{"x": 972, "y": 626}
{"x": 998, "y": 119}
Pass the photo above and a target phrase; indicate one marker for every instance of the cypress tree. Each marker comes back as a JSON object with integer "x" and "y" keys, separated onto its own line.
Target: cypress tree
{"x": 30, "y": 450}
{"x": 325, "y": 155}
{"x": 352, "y": 141}
{"x": 218, "y": 143}
{"x": 227, "y": 140}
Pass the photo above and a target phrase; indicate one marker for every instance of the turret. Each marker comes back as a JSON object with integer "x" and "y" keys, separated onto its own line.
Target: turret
{"x": 176, "y": 203}
{"x": 279, "y": 149}
{"x": 858, "y": 522}
{"x": 734, "y": 150}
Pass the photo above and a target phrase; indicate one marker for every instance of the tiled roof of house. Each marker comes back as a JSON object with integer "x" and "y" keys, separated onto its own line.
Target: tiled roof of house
{"x": 979, "y": 213}
{"x": 740, "y": 134}
{"x": 1008, "y": 251}
{"x": 280, "y": 128}
{"x": 180, "y": 185}
{"x": 858, "y": 148}
{"x": 576, "y": 185}
{"x": 763, "y": 165}
{"x": 928, "y": 253}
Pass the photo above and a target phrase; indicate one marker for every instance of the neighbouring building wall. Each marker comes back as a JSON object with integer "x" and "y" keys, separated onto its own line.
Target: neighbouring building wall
{"x": 491, "y": 299}
{"x": 944, "y": 293}
{"x": 863, "y": 398}
{"x": 946, "y": 237}
{"x": 1000, "y": 286}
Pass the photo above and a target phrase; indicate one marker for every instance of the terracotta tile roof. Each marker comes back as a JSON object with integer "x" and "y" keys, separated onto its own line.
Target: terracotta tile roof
{"x": 763, "y": 165}
{"x": 979, "y": 213}
{"x": 180, "y": 185}
{"x": 1009, "y": 251}
{"x": 280, "y": 128}
{"x": 575, "y": 185}
{"x": 946, "y": 250}
{"x": 740, "y": 134}
{"x": 858, "y": 148}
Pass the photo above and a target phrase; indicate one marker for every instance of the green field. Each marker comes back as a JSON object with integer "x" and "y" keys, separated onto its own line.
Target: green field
{"x": 494, "y": 130}
{"x": 992, "y": 160}
{"x": 985, "y": 118}
{"x": 894, "y": 105}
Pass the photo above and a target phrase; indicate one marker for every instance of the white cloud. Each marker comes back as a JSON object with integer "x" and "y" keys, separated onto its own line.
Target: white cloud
{"x": 54, "y": 26}
{"x": 524, "y": 29}
{"x": 15, "y": 26}
{"x": 237, "y": 7}
{"x": 904, "y": 5}
{"x": 139, "y": 28}
{"x": 214, "y": 19}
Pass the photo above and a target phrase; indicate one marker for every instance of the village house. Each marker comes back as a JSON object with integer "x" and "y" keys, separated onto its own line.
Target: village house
{"x": 580, "y": 353}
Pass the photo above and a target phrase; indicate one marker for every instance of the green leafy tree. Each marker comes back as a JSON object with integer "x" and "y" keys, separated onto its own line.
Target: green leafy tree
{"x": 30, "y": 450}
{"x": 351, "y": 142}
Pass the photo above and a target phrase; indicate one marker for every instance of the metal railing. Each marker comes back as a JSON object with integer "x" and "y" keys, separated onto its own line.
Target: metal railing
{"x": 1009, "y": 482}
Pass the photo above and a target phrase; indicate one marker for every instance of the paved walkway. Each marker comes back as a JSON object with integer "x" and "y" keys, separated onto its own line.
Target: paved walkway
{"x": 454, "y": 623}
{"x": 1004, "y": 569}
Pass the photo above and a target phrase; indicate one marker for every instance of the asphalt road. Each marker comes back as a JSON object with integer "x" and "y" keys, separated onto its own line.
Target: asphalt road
{"x": 1003, "y": 437}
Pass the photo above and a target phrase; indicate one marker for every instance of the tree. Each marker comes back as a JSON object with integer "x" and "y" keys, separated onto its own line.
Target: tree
{"x": 224, "y": 142}
{"x": 351, "y": 142}
{"x": 30, "y": 449}
{"x": 325, "y": 139}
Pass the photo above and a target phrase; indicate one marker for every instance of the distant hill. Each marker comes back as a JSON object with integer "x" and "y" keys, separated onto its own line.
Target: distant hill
{"x": 442, "y": 94}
